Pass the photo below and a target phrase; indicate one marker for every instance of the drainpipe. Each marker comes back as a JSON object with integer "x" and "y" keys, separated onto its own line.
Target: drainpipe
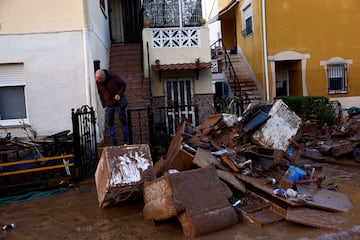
{"x": 86, "y": 54}
{"x": 265, "y": 51}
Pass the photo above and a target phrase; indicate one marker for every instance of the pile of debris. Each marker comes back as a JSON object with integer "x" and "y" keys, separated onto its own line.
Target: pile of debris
{"x": 232, "y": 169}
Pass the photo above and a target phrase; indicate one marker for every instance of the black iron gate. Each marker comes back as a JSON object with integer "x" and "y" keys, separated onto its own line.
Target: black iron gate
{"x": 84, "y": 141}
{"x": 157, "y": 126}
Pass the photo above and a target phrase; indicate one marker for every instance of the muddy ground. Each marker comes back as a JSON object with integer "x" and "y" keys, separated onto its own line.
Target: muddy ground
{"x": 75, "y": 214}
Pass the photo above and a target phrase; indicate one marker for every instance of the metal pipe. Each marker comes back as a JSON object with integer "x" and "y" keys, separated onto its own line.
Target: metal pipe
{"x": 86, "y": 54}
{"x": 265, "y": 51}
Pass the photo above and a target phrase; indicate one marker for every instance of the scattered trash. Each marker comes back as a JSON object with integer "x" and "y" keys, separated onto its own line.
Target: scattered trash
{"x": 272, "y": 181}
{"x": 296, "y": 174}
{"x": 291, "y": 193}
{"x": 9, "y": 226}
{"x": 236, "y": 203}
{"x": 280, "y": 192}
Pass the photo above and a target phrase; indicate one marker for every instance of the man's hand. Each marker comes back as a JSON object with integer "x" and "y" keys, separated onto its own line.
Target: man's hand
{"x": 117, "y": 97}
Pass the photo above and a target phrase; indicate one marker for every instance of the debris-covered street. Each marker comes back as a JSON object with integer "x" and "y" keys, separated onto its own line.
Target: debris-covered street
{"x": 75, "y": 214}
{"x": 265, "y": 175}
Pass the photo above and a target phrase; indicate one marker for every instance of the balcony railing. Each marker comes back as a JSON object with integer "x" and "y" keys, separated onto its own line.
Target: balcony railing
{"x": 172, "y": 13}
{"x": 176, "y": 37}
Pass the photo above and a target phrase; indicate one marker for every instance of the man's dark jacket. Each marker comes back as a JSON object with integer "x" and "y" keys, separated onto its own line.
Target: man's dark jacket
{"x": 109, "y": 88}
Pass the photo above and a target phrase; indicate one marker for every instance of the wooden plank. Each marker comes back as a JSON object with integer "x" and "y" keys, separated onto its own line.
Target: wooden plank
{"x": 260, "y": 211}
{"x": 315, "y": 218}
{"x": 231, "y": 179}
{"x": 324, "y": 199}
{"x": 263, "y": 217}
{"x": 261, "y": 185}
{"x": 203, "y": 158}
{"x": 210, "y": 121}
{"x": 229, "y": 163}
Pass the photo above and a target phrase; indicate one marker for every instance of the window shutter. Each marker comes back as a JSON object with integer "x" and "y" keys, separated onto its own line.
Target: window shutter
{"x": 11, "y": 74}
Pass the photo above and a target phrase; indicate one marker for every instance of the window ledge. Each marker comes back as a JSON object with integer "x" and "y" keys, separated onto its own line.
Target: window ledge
{"x": 337, "y": 92}
{"x": 14, "y": 123}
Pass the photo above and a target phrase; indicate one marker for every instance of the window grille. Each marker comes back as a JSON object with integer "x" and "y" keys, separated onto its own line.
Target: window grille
{"x": 337, "y": 78}
{"x": 179, "y": 94}
{"x": 247, "y": 21}
{"x": 166, "y": 13}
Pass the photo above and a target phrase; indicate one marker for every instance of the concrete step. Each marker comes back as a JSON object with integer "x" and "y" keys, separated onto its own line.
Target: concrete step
{"x": 126, "y": 60}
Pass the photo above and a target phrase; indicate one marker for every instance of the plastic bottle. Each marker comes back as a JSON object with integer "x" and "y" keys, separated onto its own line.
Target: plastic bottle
{"x": 289, "y": 150}
{"x": 236, "y": 203}
{"x": 9, "y": 226}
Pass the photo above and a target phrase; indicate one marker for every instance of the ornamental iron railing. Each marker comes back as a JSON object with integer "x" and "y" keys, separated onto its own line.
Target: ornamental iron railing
{"x": 172, "y": 13}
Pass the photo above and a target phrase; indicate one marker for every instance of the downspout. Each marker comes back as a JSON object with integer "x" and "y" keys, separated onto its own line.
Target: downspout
{"x": 86, "y": 54}
{"x": 265, "y": 51}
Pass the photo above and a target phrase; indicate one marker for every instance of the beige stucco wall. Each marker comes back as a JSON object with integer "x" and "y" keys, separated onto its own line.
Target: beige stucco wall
{"x": 202, "y": 85}
{"x": 24, "y": 16}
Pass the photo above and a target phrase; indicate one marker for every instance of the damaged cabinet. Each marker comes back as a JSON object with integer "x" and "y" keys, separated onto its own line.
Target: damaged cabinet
{"x": 121, "y": 172}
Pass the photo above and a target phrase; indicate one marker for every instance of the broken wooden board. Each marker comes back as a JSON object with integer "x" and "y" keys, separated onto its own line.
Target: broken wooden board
{"x": 210, "y": 121}
{"x": 315, "y": 217}
{"x": 203, "y": 158}
{"x": 258, "y": 210}
{"x": 261, "y": 185}
{"x": 263, "y": 216}
{"x": 229, "y": 178}
{"x": 324, "y": 199}
{"x": 177, "y": 157}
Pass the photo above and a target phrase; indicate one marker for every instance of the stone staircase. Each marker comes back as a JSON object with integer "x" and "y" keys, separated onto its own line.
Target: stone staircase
{"x": 126, "y": 61}
{"x": 247, "y": 84}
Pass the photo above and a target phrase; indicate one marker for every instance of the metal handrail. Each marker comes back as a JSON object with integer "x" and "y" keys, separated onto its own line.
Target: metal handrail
{"x": 219, "y": 44}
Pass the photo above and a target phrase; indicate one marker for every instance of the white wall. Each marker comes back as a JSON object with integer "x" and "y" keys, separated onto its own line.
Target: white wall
{"x": 54, "y": 76}
{"x": 210, "y": 11}
{"x": 57, "y": 41}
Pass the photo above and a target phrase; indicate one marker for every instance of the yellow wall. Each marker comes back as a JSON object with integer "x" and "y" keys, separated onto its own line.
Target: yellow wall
{"x": 17, "y": 16}
{"x": 252, "y": 45}
{"x": 223, "y": 3}
{"x": 321, "y": 29}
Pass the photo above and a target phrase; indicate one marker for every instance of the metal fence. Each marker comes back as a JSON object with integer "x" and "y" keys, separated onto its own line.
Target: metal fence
{"x": 157, "y": 126}
{"x": 84, "y": 141}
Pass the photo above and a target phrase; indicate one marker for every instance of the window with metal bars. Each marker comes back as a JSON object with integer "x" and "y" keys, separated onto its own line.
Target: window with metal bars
{"x": 337, "y": 78}
{"x": 179, "y": 95}
{"x": 247, "y": 21}
{"x": 172, "y": 13}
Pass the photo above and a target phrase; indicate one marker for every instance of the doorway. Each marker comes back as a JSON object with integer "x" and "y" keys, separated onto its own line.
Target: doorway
{"x": 126, "y": 21}
{"x": 282, "y": 83}
{"x": 179, "y": 99}
{"x": 288, "y": 78}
